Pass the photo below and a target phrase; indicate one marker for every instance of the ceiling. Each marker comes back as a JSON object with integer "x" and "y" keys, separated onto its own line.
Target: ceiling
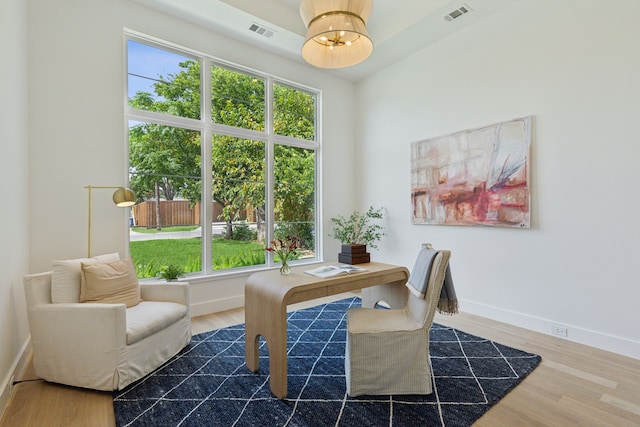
{"x": 398, "y": 28}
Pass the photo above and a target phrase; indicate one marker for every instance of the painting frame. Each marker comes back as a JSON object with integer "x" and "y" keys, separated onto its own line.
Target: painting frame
{"x": 474, "y": 177}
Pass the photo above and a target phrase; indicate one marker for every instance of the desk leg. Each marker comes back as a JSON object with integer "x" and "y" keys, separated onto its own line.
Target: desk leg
{"x": 267, "y": 317}
{"x": 253, "y": 320}
{"x": 277, "y": 343}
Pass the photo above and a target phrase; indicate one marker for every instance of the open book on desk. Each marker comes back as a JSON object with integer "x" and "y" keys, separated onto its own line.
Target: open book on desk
{"x": 325, "y": 271}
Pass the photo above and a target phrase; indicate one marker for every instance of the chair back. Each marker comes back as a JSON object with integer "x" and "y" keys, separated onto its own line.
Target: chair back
{"x": 422, "y": 310}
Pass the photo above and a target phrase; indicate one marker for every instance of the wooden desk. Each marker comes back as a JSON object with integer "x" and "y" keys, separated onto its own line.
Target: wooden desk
{"x": 268, "y": 293}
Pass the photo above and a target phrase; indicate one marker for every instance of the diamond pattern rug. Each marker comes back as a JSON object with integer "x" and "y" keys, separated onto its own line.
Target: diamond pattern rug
{"x": 208, "y": 384}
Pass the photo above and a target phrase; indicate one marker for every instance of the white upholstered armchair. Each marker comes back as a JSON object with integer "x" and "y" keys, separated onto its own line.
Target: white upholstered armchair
{"x": 102, "y": 346}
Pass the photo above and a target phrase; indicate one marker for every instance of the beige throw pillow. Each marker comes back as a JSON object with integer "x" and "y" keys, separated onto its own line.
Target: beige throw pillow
{"x": 110, "y": 283}
{"x": 67, "y": 277}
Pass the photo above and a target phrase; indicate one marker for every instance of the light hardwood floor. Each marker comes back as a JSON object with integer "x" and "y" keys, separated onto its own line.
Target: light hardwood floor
{"x": 574, "y": 384}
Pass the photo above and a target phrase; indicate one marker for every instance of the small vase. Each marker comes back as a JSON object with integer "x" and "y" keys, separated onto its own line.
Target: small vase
{"x": 284, "y": 268}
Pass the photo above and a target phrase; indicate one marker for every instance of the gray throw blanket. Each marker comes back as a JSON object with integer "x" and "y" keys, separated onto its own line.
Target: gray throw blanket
{"x": 419, "y": 278}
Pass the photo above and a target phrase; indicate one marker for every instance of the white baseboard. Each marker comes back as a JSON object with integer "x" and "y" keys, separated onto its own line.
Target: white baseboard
{"x": 215, "y": 306}
{"x": 17, "y": 368}
{"x": 575, "y": 333}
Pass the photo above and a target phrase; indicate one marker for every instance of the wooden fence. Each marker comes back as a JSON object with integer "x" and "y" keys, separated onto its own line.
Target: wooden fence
{"x": 172, "y": 212}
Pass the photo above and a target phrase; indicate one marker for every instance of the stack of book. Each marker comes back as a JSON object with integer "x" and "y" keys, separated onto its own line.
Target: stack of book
{"x": 354, "y": 254}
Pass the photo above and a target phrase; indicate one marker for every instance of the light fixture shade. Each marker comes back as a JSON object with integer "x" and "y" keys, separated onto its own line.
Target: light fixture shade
{"x": 124, "y": 197}
{"x": 337, "y": 36}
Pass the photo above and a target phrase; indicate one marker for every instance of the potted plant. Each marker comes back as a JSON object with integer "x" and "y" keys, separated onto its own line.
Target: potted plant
{"x": 356, "y": 232}
{"x": 171, "y": 272}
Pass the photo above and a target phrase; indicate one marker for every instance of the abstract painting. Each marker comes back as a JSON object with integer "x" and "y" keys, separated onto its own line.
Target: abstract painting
{"x": 473, "y": 177}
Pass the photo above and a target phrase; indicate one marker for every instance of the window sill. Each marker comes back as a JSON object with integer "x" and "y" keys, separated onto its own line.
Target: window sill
{"x": 227, "y": 274}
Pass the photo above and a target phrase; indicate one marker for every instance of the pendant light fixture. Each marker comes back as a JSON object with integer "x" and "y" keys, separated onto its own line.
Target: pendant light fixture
{"x": 336, "y": 32}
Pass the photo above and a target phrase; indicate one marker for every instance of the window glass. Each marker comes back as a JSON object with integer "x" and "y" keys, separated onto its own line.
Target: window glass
{"x": 294, "y": 196}
{"x": 294, "y": 113}
{"x": 237, "y": 99}
{"x": 162, "y": 81}
{"x": 238, "y": 177}
{"x": 165, "y": 175}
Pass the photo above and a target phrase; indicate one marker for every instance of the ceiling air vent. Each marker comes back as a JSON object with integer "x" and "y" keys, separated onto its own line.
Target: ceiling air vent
{"x": 457, "y": 13}
{"x": 263, "y": 31}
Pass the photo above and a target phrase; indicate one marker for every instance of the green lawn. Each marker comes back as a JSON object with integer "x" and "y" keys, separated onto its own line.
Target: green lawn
{"x": 150, "y": 255}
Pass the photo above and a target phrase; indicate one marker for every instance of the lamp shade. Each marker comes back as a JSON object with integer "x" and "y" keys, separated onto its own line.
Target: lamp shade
{"x": 124, "y": 197}
{"x": 337, "y": 36}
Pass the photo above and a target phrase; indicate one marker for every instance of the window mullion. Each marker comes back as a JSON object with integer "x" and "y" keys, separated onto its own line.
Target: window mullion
{"x": 269, "y": 167}
{"x": 237, "y": 132}
{"x": 162, "y": 119}
{"x": 207, "y": 185}
{"x": 319, "y": 245}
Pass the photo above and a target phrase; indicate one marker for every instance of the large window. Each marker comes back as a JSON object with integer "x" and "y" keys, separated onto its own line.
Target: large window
{"x": 222, "y": 160}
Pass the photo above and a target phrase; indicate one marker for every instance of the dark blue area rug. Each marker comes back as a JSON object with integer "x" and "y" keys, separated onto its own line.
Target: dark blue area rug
{"x": 208, "y": 384}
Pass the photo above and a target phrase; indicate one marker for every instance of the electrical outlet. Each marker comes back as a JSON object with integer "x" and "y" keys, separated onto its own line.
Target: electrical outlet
{"x": 558, "y": 330}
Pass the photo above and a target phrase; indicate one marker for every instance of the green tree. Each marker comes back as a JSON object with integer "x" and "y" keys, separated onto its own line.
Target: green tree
{"x": 238, "y": 99}
{"x": 238, "y": 176}
{"x": 294, "y": 116}
{"x": 294, "y": 113}
{"x": 165, "y": 161}
{"x": 238, "y": 172}
{"x": 294, "y": 193}
{"x": 166, "y": 157}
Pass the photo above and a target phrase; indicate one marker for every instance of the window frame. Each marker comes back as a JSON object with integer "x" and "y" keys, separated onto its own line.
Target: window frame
{"x": 208, "y": 129}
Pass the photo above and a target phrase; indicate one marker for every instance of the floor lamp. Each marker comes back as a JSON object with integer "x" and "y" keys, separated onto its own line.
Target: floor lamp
{"x": 122, "y": 197}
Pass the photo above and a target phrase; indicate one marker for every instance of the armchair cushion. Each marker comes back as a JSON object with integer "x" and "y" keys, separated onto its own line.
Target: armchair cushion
{"x": 67, "y": 277}
{"x": 149, "y": 317}
{"x": 110, "y": 283}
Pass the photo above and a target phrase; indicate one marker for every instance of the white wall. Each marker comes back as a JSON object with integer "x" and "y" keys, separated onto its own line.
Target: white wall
{"x": 574, "y": 65}
{"x": 76, "y": 49}
{"x": 14, "y": 180}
